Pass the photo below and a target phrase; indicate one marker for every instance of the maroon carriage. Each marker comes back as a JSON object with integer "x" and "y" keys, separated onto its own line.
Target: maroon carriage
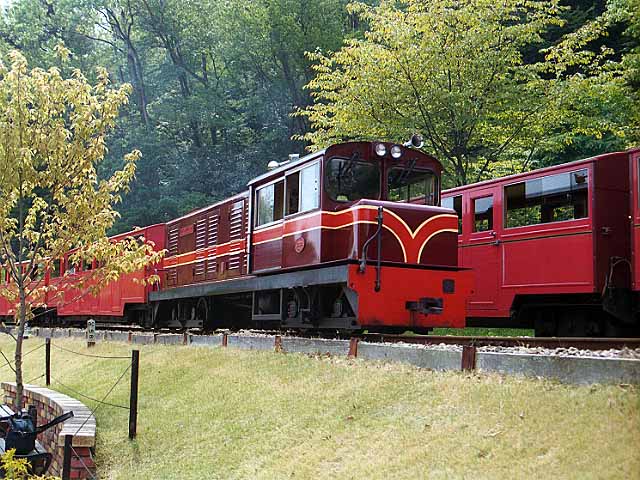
{"x": 350, "y": 237}
{"x": 551, "y": 249}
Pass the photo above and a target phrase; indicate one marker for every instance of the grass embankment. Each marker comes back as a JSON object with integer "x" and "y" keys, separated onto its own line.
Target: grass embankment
{"x": 222, "y": 413}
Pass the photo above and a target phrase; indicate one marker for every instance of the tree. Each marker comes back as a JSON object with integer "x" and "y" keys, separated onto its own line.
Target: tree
{"x": 456, "y": 72}
{"x": 52, "y": 137}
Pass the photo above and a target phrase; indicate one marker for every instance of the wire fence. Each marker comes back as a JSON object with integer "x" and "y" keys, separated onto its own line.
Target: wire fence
{"x": 111, "y": 357}
{"x": 11, "y": 362}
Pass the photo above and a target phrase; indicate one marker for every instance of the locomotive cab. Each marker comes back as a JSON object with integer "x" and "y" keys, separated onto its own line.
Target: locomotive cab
{"x": 366, "y": 212}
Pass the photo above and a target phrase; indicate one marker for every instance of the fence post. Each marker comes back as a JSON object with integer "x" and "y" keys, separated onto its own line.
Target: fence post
{"x": 353, "y": 347}
{"x": 133, "y": 399}
{"x": 47, "y": 360}
{"x": 468, "y": 357}
{"x": 66, "y": 460}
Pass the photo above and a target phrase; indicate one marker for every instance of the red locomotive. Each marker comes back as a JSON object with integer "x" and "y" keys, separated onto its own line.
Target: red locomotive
{"x": 555, "y": 249}
{"x": 347, "y": 238}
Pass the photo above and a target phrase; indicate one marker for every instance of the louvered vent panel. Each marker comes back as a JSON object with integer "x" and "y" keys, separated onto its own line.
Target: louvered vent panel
{"x": 199, "y": 268}
{"x": 235, "y": 221}
{"x": 172, "y": 276}
{"x": 234, "y": 260}
{"x": 213, "y": 229}
{"x": 201, "y": 233}
{"x": 212, "y": 265}
{"x": 173, "y": 242}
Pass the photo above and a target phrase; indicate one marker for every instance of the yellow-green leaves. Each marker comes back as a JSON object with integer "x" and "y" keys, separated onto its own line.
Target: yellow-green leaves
{"x": 468, "y": 76}
{"x": 52, "y": 139}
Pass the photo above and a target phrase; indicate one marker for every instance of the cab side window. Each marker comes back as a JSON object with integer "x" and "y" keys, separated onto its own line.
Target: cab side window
{"x": 303, "y": 191}
{"x": 270, "y": 203}
{"x": 55, "y": 268}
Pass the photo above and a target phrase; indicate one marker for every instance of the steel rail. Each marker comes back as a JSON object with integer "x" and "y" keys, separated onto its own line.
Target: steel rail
{"x": 581, "y": 343}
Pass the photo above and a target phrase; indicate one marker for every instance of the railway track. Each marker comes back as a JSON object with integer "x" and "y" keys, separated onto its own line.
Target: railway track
{"x": 582, "y": 343}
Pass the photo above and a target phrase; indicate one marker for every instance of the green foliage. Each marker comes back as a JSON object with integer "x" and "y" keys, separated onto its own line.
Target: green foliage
{"x": 213, "y": 84}
{"x": 456, "y": 72}
{"x": 496, "y": 88}
{"x": 17, "y": 468}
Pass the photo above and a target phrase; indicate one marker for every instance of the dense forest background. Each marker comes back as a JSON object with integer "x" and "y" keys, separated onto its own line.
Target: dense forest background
{"x": 215, "y": 83}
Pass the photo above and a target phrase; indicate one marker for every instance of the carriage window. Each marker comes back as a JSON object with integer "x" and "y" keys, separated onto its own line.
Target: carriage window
{"x": 303, "y": 192}
{"x": 455, "y": 203}
{"x": 349, "y": 179}
{"x": 410, "y": 185}
{"x": 270, "y": 203}
{"x": 483, "y": 214}
{"x": 554, "y": 198}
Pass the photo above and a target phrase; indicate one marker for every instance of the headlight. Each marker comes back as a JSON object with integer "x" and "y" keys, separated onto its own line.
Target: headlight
{"x": 381, "y": 150}
{"x": 396, "y": 151}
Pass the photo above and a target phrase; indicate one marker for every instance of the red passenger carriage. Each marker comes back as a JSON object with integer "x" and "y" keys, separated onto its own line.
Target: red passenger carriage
{"x": 553, "y": 249}
{"x": 123, "y": 300}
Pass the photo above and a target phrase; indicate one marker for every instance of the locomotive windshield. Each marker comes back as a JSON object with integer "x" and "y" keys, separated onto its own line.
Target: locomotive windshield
{"x": 412, "y": 185}
{"x": 349, "y": 179}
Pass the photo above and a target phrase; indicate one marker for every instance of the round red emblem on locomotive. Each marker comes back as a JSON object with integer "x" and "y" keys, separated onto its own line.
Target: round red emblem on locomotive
{"x": 299, "y": 245}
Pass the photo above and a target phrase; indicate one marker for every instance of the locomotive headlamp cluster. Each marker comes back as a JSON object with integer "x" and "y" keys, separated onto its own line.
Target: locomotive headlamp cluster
{"x": 396, "y": 151}
{"x": 381, "y": 150}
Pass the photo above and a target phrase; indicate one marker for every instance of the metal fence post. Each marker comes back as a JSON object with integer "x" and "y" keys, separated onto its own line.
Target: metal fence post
{"x": 66, "y": 461}
{"x": 47, "y": 360}
{"x": 133, "y": 399}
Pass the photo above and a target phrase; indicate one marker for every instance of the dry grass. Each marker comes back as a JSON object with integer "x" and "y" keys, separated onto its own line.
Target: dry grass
{"x": 215, "y": 413}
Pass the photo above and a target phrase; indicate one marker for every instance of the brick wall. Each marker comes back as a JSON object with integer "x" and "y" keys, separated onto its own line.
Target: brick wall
{"x": 49, "y": 405}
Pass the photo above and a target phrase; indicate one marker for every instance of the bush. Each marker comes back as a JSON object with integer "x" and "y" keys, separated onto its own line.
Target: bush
{"x": 18, "y": 468}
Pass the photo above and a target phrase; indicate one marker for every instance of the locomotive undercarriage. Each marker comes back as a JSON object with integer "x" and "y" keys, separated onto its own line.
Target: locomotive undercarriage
{"x": 304, "y": 308}
{"x": 312, "y": 307}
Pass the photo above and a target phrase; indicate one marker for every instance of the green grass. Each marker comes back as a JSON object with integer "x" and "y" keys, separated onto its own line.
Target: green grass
{"x": 224, "y": 413}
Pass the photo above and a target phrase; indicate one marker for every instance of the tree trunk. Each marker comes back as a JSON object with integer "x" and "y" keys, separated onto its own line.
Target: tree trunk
{"x": 22, "y": 315}
{"x": 137, "y": 78}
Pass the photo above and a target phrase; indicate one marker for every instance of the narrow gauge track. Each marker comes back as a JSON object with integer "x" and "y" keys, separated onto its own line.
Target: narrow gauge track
{"x": 582, "y": 343}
